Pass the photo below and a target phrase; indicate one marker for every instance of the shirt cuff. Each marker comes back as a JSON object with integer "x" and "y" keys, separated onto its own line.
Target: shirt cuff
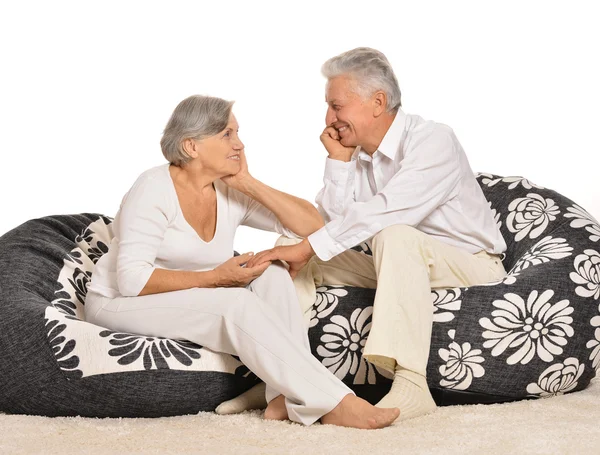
{"x": 338, "y": 171}
{"x": 324, "y": 246}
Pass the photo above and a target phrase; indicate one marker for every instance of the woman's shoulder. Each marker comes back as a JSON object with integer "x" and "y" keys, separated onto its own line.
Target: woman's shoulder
{"x": 156, "y": 172}
{"x": 150, "y": 184}
{"x": 154, "y": 177}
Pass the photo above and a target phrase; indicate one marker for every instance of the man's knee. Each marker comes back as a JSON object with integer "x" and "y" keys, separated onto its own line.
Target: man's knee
{"x": 397, "y": 234}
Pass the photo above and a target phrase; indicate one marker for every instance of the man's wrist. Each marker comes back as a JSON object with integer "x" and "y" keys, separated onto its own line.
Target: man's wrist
{"x": 308, "y": 247}
{"x": 340, "y": 157}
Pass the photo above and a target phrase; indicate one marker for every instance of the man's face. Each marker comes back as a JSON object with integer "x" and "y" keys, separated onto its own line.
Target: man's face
{"x": 350, "y": 115}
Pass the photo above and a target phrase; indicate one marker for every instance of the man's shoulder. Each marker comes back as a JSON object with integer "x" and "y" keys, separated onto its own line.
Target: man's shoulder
{"x": 419, "y": 130}
{"x": 415, "y": 124}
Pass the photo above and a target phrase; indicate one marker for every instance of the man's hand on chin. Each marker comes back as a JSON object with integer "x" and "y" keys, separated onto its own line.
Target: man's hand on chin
{"x": 295, "y": 255}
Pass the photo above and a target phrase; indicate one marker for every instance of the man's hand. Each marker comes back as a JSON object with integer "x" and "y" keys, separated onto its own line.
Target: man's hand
{"x": 295, "y": 255}
{"x": 331, "y": 140}
{"x": 237, "y": 181}
{"x": 233, "y": 273}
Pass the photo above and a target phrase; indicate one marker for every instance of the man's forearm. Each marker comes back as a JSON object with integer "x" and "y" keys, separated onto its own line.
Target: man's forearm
{"x": 296, "y": 214}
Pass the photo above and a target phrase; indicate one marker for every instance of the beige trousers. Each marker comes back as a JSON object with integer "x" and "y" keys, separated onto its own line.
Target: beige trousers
{"x": 405, "y": 266}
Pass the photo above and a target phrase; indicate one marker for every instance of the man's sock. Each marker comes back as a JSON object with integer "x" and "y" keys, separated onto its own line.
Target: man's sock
{"x": 251, "y": 399}
{"x": 410, "y": 394}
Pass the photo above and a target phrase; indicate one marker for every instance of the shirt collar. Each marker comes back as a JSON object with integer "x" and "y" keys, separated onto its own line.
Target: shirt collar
{"x": 391, "y": 140}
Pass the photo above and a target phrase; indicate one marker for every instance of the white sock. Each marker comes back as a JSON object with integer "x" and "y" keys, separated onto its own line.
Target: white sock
{"x": 251, "y": 399}
{"x": 410, "y": 394}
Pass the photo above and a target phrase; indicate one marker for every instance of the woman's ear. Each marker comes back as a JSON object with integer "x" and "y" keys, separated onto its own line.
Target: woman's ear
{"x": 379, "y": 103}
{"x": 190, "y": 147}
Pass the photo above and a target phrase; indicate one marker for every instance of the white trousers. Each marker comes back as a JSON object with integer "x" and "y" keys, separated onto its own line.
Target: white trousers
{"x": 262, "y": 324}
{"x": 405, "y": 266}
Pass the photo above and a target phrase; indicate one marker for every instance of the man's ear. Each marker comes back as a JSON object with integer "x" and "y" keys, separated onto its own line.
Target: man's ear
{"x": 379, "y": 103}
{"x": 190, "y": 147}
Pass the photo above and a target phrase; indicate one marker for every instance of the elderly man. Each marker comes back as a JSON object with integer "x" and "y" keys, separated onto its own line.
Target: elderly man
{"x": 404, "y": 185}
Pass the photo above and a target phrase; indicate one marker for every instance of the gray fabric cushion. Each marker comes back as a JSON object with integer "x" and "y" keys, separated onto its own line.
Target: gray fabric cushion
{"x": 536, "y": 333}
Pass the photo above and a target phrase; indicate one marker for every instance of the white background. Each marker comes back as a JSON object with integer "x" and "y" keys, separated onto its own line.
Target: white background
{"x": 87, "y": 87}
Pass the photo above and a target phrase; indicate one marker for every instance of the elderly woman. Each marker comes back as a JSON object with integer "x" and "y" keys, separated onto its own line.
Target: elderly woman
{"x": 169, "y": 271}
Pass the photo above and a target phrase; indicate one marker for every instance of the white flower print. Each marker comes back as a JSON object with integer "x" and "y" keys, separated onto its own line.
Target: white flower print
{"x": 344, "y": 341}
{"x": 543, "y": 251}
{"x": 490, "y": 180}
{"x": 326, "y": 301}
{"x": 594, "y": 345}
{"x": 515, "y": 181}
{"x": 462, "y": 365}
{"x": 534, "y": 327}
{"x": 557, "y": 379}
{"x": 581, "y": 218}
{"x": 496, "y": 216}
{"x": 530, "y": 215}
{"x": 444, "y": 302}
{"x": 587, "y": 274}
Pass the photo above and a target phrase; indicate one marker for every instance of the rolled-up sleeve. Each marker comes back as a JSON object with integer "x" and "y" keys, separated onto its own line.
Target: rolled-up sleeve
{"x": 338, "y": 189}
{"x": 143, "y": 221}
{"x": 428, "y": 177}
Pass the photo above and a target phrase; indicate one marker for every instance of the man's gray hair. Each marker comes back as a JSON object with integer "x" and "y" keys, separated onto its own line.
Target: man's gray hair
{"x": 371, "y": 71}
{"x": 196, "y": 117}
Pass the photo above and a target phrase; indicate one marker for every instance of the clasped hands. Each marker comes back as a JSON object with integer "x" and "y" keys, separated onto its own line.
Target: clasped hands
{"x": 296, "y": 256}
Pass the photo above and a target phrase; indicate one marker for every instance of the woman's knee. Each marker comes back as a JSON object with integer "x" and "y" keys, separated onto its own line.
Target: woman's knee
{"x": 275, "y": 272}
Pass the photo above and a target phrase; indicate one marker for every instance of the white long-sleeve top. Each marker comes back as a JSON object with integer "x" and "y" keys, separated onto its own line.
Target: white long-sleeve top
{"x": 420, "y": 177}
{"x": 151, "y": 232}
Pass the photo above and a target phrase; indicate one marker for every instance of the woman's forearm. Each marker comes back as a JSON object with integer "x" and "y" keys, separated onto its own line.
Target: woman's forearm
{"x": 296, "y": 214}
{"x": 163, "y": 280}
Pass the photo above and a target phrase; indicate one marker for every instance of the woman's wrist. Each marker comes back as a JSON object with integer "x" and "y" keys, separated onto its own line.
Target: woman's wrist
{"x": 208, "y": 279}
{"x": 247, "y": 185}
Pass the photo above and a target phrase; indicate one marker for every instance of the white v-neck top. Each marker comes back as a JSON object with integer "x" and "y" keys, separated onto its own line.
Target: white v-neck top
{"x": 151, "y": 232}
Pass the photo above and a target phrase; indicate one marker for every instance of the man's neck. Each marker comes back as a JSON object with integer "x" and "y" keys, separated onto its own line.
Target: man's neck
{"x": 381, "y": 127}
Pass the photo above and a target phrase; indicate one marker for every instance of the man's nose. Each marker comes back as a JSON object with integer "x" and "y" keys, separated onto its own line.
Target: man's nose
{"x": 330, "y": 117}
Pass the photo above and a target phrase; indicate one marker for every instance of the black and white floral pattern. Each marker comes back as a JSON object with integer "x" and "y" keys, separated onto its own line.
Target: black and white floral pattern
{"x": 536, "y": 326}
{"x": 63, "y": 347}
{"x": 491, "y": 180}
{"x": 462, "y": 364}
{"x": 445, "y": 303}
{"x": 326, "y": 302}
{"x": 587, "y": 274}
{"x": 582, "y": 219}
{"x": 342, "y": 344}
{"x": 530, "y": 215}
{"x": 557, "y": 379}
{"x": 543, "y": 251}
{"x": 154, "y": 352}
{"x": 594, "y": 344}
{"x": 526, "y": 327}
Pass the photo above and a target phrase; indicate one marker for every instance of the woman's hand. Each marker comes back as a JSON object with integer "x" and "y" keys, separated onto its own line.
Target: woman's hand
{"x": 296, "y": 256}
{"x": 232, "y": 274}
{"x": 238, "y": 180}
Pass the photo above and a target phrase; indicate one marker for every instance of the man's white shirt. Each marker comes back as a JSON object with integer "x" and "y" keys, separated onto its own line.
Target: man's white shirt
{"x": 420, "y": 177}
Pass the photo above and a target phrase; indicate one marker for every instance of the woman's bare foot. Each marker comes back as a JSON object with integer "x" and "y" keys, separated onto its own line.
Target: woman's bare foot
{"x": 355, "y": 412}
{"x": 276, "y": 409}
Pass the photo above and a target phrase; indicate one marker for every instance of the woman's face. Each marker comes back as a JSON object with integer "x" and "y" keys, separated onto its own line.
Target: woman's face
{"x": 221, "y": 152}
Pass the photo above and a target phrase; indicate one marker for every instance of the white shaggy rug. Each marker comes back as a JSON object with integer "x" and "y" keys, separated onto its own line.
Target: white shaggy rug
{"x": 568, "y": 424}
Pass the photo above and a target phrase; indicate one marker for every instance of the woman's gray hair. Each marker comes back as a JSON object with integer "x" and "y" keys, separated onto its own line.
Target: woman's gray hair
{"x": 196, "y": 117}
{"x": 371, "y": 71}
